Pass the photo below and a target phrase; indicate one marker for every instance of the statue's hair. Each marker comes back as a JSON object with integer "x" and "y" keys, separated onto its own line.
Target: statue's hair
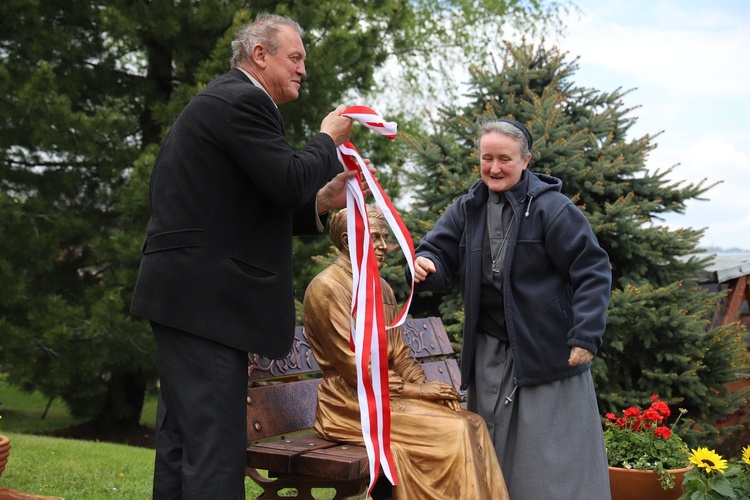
{"x": 337, "y": 226}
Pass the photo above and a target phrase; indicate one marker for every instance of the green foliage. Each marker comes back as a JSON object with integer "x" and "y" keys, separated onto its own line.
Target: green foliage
{"x": 659, "y": 337}
{"x": 637, "y": 453}
{"x": 733, "y": 484}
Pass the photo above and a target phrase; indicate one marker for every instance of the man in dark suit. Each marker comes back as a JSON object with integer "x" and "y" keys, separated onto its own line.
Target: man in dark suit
{"x": 227, "y": 194}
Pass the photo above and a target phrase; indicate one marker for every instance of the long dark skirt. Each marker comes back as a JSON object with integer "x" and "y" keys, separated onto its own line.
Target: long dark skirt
{"x": 548, "y": 438}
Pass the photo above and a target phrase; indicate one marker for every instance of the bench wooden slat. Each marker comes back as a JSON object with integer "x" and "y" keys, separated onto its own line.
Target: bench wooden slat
{"x": 445, "y": 371}
{"x": 283, "y": 455}
{"x": 339, "y": 462}
{"x": 276, "y": 410}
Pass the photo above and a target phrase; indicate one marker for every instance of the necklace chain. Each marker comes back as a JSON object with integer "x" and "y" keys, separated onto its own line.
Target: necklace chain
{"x": 505, "y": 237}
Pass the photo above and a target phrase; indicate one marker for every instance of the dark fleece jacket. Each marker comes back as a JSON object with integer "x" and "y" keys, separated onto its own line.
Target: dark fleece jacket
{"x": 556, "y": 283}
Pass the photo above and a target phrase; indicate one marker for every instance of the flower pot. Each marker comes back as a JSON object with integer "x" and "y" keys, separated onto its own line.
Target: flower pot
{"x": 632, "y": 484}
{"x": 4, "y": 452}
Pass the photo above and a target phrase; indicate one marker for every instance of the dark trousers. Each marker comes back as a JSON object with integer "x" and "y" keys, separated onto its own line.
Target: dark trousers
{"x": 201, "y": 430}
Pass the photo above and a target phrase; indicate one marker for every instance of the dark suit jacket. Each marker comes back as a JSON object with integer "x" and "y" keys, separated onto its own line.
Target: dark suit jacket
{"x": 227, "y": 194}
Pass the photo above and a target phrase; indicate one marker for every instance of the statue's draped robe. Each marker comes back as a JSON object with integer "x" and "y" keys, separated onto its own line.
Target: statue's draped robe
{"x": 438, "y": 453}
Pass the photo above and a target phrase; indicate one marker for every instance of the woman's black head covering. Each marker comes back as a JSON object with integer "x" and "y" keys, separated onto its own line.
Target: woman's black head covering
{"x": 520, "y": 126}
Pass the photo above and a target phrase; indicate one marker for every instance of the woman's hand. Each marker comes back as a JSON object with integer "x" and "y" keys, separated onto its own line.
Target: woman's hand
{"x": 422, "y": 267}
{"x": 579, "y": 356}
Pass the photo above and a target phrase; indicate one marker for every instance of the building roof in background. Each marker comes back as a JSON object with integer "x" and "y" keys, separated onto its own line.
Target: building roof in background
{"x": 724, "y": 267}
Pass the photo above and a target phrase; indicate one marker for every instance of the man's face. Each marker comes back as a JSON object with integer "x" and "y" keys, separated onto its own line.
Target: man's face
{"x": 286, "y": 67}
{"x": 500, "y": 161}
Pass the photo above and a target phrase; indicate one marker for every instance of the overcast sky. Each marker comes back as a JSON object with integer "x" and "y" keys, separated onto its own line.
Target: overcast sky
{"x": 688, "y": 61}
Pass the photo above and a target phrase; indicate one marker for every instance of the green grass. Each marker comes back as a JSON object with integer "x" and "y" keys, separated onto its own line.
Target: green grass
{"x": 73, "y": 469}
{"x": 65, "y": 467}
{"x": 77, "y": 469}
{"x": 85, "y": 470}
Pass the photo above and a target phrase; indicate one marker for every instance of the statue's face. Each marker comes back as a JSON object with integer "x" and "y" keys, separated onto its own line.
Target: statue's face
{"x": 379, "y": 236}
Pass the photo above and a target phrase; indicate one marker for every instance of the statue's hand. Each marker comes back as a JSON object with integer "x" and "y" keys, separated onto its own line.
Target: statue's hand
{"x": 452, "y": 404}
{"x": 437, "y": 390}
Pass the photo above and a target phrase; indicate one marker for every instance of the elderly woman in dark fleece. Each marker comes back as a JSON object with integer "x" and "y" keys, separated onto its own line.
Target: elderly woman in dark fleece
{"x": 535, "y": 285}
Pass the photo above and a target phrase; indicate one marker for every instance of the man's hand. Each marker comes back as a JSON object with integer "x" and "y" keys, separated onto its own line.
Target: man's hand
{"x": 422, "y": 267}
{"x": 333, "y": 194}
{"x": 337, "y": 126}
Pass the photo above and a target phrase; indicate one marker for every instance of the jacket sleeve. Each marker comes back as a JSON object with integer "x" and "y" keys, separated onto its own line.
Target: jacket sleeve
{"x": 306, "y": 220}
{"x": 575, "y": 252}
{"x": 442, "y": 247}
{"x": 255, "y": 141}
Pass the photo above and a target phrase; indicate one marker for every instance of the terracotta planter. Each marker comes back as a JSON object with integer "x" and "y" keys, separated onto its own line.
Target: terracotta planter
{"x": 4, "y": 452}
{"x": 630, "y": 484}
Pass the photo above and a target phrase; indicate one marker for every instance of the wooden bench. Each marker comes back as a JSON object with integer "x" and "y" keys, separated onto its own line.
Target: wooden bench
{"x": 281, "y": 412}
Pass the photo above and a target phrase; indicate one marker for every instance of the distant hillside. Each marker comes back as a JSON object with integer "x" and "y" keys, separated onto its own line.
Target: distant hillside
{"x": 722, "y": 250}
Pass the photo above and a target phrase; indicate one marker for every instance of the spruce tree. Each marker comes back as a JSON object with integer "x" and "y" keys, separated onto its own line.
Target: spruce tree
{"x": 658, "y": 339}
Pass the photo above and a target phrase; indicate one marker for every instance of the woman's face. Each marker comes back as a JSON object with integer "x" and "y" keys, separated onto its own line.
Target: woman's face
{"x": 379, "y": 235}
{"x": 500, "y": 161}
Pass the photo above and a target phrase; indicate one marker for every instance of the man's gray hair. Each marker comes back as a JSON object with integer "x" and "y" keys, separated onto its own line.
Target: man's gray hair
{"x": 264, "y": 30}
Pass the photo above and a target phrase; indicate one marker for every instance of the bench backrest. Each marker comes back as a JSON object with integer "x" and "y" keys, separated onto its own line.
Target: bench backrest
{"x": 283, "y": 392}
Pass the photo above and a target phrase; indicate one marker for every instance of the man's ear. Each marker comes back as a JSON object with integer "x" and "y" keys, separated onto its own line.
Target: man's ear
{"x": 345, "y": 241}
{"x": 259, "y": 54}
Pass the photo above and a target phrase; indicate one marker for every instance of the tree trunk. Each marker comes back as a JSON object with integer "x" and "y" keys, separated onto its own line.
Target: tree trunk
{"x": 123, "y": 405}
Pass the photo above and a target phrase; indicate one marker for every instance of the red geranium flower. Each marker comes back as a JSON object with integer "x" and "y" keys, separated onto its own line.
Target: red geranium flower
{"x": 662, "y": 408}
{"x": 633, "y": 411}
{"x": 652, "y": 415}
{"x": 663, "y": 432}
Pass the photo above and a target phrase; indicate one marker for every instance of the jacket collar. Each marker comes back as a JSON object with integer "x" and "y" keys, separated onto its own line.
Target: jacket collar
{"x": 244, "y": 75}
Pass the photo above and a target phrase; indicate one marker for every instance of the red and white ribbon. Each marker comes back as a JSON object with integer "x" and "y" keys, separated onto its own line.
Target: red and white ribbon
{"x": 368, "y": 337}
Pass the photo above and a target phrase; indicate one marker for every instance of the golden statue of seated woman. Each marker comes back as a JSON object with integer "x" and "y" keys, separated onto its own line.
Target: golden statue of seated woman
{"x": 439, "y": 449}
